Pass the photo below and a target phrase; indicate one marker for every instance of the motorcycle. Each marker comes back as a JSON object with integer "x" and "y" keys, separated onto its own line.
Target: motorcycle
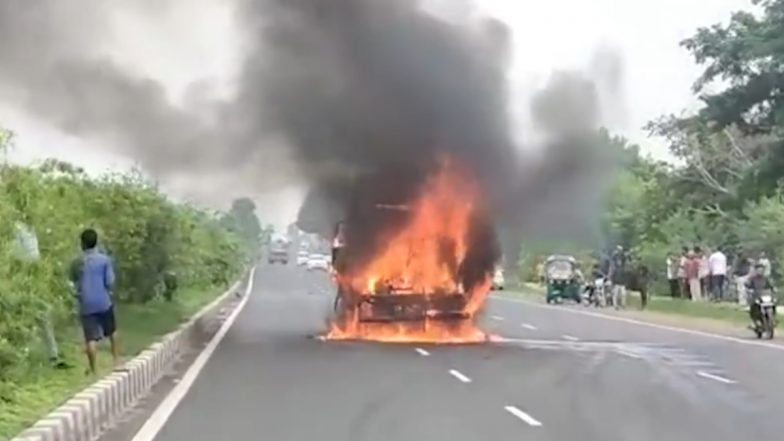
{"x": 766, "y": 324}
{"x": 600, "y": 294}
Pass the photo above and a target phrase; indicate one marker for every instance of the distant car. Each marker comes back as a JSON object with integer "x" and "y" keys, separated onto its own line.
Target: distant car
{"x": 498, "y": 280}
{"x": 278, "y": 255}
{"x": 317, "y": 262}
{"x": 302, "y": 258}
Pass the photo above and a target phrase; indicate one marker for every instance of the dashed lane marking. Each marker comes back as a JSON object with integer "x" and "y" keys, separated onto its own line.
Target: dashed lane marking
{"x": 531, "y": 421}
{"x": 527, "y": 326}
{"x": 459, "y": 375}
{"x": 422, "y": 352}
{"x": 628, "y": 354}
{"x": 728, "y": 338}
{"x": 718, "y": 378}
{"x": 497, "y": 318}
{"x": 570, "y": 337}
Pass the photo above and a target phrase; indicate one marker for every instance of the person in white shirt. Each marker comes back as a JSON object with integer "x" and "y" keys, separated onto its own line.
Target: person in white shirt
{"x": 766, "y": 265}
{"x": 718, "y": 273}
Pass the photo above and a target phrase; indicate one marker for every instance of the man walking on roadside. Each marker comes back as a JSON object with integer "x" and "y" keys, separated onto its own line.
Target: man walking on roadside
{"x": 673, "y": 266}
{"x": 93, "y": 277}
{"x": 718, "y": 273}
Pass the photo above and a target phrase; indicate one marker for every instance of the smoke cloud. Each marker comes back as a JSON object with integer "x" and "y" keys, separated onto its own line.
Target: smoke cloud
{"x": 349, "y": 95}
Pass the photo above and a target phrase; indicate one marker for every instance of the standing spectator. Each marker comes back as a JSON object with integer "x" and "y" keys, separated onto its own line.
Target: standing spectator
{"x": 673, "y": 267}
{"x": 684, "y": 281}
{"x": 718, "y": 273}
{"x": 742, "y": 270}
{"x": 93, "y": 277}
{"x": 764, "y": 263}
{"x": 693, "y": 275}
{"x": 702, "y": 257}
{"x": 618, "y": 277}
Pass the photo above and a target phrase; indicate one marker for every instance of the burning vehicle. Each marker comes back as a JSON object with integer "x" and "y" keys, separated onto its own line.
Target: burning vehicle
{"x": 422, "y": 279}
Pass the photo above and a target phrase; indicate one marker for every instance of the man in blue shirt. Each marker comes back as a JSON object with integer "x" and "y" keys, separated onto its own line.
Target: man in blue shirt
{"x": 93, "y": 277}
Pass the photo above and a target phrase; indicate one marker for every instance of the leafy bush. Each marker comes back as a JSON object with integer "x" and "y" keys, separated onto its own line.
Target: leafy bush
{"x": 147, "y": 235}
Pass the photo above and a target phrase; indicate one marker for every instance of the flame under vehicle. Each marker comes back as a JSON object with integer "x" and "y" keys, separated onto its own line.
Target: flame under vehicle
{"x": 395, "y": 300}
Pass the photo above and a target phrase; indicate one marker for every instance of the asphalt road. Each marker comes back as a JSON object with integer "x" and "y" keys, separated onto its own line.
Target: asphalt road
{"x": 561, "y": 374}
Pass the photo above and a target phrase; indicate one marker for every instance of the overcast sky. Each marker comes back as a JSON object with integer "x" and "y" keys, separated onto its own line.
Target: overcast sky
{"x": 195, "y": 41}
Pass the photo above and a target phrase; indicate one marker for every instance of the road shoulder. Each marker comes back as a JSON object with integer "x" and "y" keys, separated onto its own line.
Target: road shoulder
{"x": 105, "y": 403}
{"x": 734, "y": 328}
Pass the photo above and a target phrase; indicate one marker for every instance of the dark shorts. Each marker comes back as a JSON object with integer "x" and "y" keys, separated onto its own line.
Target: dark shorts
{"x": 99, "y": 325}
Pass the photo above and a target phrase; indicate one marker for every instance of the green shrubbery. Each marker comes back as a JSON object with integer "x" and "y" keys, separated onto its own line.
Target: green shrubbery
{"x": 147, "y": 235}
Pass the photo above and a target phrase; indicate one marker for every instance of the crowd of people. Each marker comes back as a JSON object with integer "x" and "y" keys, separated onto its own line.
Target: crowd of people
{"x": 699, "y": 274}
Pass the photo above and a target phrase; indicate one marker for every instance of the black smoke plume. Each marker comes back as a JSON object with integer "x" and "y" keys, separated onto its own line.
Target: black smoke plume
{"x": 382, "y": 88}
{"x": 363, "y": 95}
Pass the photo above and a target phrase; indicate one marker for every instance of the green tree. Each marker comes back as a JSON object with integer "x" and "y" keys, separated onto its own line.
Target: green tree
{"x": 242, "y": 219}
{"x": 748, "y": 55}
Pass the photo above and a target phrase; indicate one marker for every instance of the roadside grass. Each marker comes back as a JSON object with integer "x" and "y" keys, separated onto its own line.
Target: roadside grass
{"x": 725, "y": 312}
{"x": 39, "y": 388}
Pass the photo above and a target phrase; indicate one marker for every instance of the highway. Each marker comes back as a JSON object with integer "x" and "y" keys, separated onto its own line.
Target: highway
{"x": 560, "y": 373}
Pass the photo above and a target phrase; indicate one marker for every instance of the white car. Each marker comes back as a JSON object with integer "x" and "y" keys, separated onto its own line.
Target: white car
{"x": 318, "y": 262}
{"x": 498, "y": 280}
{"x": 302, "y": 258}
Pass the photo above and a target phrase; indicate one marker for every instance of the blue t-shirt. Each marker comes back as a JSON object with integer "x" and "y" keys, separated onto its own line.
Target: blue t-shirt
{"x": 93, "y": 277}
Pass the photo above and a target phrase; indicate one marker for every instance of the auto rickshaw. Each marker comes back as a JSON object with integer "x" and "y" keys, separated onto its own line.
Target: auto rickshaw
{"x": 562, "y": 279}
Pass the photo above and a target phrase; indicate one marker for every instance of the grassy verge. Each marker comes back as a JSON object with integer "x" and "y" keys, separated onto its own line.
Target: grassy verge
{"x": 40, "y": 388}
{"x": 724, "y": 312}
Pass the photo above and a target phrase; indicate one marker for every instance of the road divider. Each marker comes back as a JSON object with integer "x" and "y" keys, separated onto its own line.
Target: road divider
{"x": 528, "y": 419}
{"x": 457, "y": 374}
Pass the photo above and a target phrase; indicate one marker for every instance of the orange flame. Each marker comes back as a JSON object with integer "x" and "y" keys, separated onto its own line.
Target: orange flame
{"x": 423, "y": 259}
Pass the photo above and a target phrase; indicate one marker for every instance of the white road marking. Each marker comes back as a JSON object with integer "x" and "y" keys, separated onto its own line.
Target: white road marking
{"x": 628, "y": 354}
{"x": 527, "y": 326}
{"x": 155, "y": 423}
{"x": 457, "y": 374}
{"x": 648, "y": 324}
{"x": 497, "y": 318}
{"x": 715, "y": 377}
{"x": 422, "y": 352}
{"x": 570, "y": 337}
{"x": 531, "y": 421}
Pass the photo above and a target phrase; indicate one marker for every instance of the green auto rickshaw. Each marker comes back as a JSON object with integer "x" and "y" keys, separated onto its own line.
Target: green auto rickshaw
{"x": 562, "y": 278}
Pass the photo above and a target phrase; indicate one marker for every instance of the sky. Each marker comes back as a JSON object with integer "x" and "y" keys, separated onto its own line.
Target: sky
{"x": 196, "y": 42}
